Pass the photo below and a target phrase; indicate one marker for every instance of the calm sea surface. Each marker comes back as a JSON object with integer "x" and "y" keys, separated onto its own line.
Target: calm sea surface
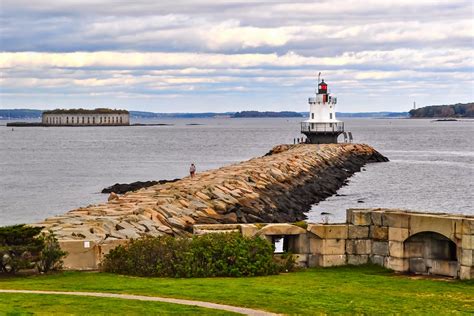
{"x": 48, "y": 171}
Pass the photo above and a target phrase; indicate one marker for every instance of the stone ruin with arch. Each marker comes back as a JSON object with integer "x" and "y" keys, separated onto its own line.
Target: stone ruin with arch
{"x": 404, "y": 241}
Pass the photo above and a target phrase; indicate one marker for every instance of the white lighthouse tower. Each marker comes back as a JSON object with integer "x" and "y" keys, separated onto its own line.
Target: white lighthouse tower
{"x": 322, "y": 127}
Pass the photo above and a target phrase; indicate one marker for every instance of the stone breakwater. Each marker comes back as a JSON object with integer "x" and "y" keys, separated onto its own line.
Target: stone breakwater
{"x": 279, "y": 187}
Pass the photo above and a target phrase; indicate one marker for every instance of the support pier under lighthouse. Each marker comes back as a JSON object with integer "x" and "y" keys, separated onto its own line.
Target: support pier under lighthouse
{"x": 322, "y": 127}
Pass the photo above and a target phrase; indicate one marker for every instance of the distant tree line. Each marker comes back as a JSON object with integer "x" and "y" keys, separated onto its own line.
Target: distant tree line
{"x": 453, "y": 110}
{"x": 244, "y": 114}
{"x": 20, "y": 114}
{"x": 86, "y": 111}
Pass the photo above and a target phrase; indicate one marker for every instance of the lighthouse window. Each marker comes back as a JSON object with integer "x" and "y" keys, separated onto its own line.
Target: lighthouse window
{"x": 330, "y": 116}
{"x": 312, "y": 116}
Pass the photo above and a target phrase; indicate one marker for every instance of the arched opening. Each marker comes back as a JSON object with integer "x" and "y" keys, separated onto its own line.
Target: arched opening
{"x": 431, "y": 253}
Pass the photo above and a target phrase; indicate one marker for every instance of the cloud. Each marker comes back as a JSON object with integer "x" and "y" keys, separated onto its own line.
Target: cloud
{"x": 95, "y": 51}
{"x": 400, "y": 59}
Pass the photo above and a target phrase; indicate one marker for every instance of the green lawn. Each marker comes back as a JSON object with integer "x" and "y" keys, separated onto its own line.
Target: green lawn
{"x": 363, "y": 289}
{"x": 22, "y": 304}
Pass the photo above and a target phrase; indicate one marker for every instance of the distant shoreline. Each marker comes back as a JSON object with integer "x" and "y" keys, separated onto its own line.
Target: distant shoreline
{"x": 28, "y": 114}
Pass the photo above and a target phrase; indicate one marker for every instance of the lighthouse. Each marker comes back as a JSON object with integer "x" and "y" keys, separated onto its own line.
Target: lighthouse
{"x": 322, "y": 127}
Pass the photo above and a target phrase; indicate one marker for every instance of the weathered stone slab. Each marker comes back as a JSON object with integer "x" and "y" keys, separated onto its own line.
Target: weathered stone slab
{"x": 397, "y": 264}
{"x": 398, "y": 234}
{"x": 444, "y": 267}
{"x": 361, "y": 217}
{"x": 438, "y": 224}
{"x": 358, "y": 232}
{"x": 328, "y": 246}
{"x": 380, "y": 248}
{"x": 379, "y": 260}
{"x": 331, "y": 260}
{"x": 396, "y": 249}
{"x": 399, "y": 220}
{"x": 467, "y": 241}
{"x": 467, "y": 257}
{"x": 417, "y": 265}
{"x": 331, "y": 231}
{"x": 377, "y": 218}
{"x": 281, "y": 229}
{"x": 468, "y": 226}
{"x": 378, "y": 232}
{"x": 466, "y": 273}
{"x": 357, "y": 259}
{"x": 359, "y": 246}
{"x": 248, "y": 230}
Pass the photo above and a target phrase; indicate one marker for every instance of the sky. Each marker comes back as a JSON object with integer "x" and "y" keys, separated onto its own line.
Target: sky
{"x": 220, "y": 55}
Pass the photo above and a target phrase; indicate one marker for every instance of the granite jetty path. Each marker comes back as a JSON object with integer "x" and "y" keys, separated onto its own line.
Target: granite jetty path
{"x": 229, "y": 308}
{"x": 278, "y": 187}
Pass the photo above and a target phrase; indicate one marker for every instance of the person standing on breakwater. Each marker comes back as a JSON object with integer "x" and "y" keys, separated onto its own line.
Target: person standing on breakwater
{"x": 192, "y": 170}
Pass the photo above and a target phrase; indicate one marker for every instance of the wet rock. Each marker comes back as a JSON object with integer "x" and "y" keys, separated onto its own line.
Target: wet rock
{"x": 121, "y": 188}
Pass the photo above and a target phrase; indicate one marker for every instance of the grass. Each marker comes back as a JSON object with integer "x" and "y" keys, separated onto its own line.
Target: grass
{"x": 349, "y": 289}
{"x": 23, "y": 304}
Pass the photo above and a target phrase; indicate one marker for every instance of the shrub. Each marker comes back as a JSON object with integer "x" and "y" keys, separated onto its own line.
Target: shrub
{"x": 202, "y": 256}
{"x": 302, "y": 224}
{"x": 50, "y": 257}
{"x": 286, "y": 262}
{"x": 21, "y": 247}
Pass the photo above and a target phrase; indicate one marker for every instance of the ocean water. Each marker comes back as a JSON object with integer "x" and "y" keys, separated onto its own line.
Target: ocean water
{"x": 48, "y": 171}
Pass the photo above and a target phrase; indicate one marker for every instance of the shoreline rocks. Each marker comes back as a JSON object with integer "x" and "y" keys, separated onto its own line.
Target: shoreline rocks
{"x": 278, "y": 187}
{"x": 122, "y": 188}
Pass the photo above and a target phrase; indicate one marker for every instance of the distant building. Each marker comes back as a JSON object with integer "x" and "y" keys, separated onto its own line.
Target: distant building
{"x": 83, "y": 117}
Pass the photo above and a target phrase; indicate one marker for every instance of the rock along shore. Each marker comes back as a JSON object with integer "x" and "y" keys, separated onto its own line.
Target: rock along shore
{"x": 279, "y": 187}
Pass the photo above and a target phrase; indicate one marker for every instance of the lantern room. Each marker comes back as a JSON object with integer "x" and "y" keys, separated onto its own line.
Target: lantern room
{"x": 322, "y": 87}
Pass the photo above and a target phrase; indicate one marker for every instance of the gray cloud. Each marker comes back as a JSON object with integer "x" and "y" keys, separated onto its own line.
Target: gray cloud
{"x": 142, "y": 52}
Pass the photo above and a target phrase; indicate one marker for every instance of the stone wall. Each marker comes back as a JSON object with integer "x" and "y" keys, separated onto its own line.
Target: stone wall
{"x": 278, "y": 187}
{"x": 404, "y": 241}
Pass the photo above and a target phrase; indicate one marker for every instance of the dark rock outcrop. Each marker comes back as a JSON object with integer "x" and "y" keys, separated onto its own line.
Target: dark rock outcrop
{"x": 121, "y": 188}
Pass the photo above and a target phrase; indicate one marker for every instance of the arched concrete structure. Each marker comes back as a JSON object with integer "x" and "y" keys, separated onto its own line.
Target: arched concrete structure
{"x": 427, "y": 243}
{"x": 431, "y": 253}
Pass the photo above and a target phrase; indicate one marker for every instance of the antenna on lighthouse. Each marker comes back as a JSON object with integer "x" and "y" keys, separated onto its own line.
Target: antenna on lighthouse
{"x": 319, "y": 76}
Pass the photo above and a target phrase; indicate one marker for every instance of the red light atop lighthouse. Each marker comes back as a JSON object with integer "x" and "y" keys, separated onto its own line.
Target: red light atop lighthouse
{"x": 322, "y": 87}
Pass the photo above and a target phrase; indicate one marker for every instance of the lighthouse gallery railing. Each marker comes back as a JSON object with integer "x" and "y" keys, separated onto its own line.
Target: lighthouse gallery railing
{"x": 337, "y": 127}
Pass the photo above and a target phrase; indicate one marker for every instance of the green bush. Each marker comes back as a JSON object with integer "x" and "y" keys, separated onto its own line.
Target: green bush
{"x": 22, "y": 247}
{"x": 50, "y": 257}
{"x": 19, "y": 248}
{"x": 202, "y": 256}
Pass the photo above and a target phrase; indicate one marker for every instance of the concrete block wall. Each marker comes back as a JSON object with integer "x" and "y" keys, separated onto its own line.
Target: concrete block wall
{"x": 86, "y": 255}
{"x": 396, "y": 239}
{"x": 399, "y": 240}
{"x": 404, "y": 241}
